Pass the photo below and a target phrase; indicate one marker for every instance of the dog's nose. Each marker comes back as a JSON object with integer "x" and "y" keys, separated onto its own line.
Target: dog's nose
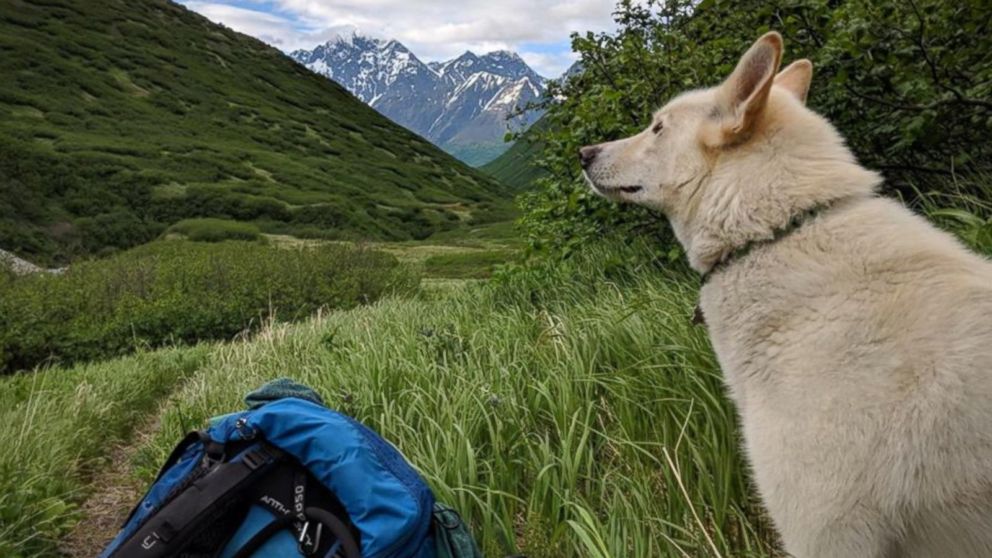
{"x": 587, "y": 154}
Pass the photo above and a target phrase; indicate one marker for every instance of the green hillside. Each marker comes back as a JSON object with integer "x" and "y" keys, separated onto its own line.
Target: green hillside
{"x": 120, "y": 118}
{"x": 476, "y": 154}
{"x": 516, "y": 167}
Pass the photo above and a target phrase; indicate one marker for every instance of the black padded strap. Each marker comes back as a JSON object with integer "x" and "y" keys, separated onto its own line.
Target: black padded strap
{"x": 172, "y": 527}
{"x": 283, "y": 492}
{"x": 213, "y": 451}
{"x": 173, "y": 458}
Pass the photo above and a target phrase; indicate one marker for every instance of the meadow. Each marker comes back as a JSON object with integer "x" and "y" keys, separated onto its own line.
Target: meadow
{"x": 571, "y": 410}
{"x": 566, "y": 407}
{"x": 566, "y": 410}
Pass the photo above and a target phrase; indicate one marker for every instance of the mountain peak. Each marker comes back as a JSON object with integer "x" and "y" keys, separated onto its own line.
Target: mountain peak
{"x": 503, "y": 55}
{"x": 368, "y": 66}
{"x": 364, "y": 187}
{"x": 393, "y": 44}
{"x": 349, "y": 37}
{"x": 502, "y": 63}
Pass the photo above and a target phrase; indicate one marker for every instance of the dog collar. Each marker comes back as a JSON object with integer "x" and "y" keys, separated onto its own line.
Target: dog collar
{"x": 794, "y": 224}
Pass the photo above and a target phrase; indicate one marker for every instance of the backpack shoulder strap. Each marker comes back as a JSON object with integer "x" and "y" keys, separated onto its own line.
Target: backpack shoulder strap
{"x": 177, "y": 453}
{"x": 172, "y": 527}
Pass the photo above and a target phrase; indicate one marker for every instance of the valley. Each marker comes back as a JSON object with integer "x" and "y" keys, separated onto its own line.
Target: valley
{"x": 119, "y": 120}
{"x": 465, "y": 105}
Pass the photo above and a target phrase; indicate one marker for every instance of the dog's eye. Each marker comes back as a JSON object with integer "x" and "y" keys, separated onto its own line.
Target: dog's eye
{"x": 658, "y": 127}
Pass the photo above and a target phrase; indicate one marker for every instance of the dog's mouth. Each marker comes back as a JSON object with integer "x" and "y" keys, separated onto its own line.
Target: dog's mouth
{"x": 627, "y": 189}
{"x": 612, "y": 190}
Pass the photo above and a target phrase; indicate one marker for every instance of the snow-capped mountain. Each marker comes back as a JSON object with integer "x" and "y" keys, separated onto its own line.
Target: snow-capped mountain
{"x": 500, "y": 63}
{"x": 461, "y": 105}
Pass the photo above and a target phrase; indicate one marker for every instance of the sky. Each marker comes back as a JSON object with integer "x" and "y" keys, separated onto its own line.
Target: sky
{"x": 538, "y": 30}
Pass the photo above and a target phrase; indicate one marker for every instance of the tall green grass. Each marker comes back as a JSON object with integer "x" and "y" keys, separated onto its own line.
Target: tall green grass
{"x": 963, "y": 207}
{"x": 566, "y": 411}
{"x": 59, "y": 426}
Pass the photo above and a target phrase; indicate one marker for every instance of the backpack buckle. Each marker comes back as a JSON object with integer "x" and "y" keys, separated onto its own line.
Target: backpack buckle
{"x": 257, "y": 457}
{"x": 213, "y": 451}
{"x": 308, "y": 546}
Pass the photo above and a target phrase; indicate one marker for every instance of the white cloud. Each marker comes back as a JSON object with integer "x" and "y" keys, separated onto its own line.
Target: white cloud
{"x": 549, "y": 64}
{"x": 270, "y": 28}
{"x": 432, "y": 29}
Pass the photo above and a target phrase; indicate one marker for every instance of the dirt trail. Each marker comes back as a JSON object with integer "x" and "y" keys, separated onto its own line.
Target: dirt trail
{"x": 116, "y": 492}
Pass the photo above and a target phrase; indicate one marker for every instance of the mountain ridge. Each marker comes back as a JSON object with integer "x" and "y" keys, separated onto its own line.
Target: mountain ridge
{"x": 464, "y": 105}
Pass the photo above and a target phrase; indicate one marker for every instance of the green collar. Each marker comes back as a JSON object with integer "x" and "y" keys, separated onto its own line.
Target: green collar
{"x": 792, "y": 226}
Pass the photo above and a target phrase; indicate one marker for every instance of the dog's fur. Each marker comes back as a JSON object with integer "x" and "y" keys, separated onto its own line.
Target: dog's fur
{"x": 857, "y": 349}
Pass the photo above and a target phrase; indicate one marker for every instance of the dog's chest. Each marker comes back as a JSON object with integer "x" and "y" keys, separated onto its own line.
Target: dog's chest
{"x": 780, "y": 338}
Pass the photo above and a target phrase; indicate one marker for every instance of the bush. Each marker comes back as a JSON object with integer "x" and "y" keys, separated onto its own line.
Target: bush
{"x": 181, "y": 292}
{"x": 112, "y": 231}
{"x": 478, "y": 264}
{"x": 908, "y": 84}
{"x": 215, "y": 230}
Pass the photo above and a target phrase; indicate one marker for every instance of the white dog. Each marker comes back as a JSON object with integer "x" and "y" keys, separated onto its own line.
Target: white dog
{"x": 855, "y": 338}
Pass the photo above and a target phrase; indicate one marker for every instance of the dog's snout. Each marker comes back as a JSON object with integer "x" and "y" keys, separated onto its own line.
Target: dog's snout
{"x": 588, "y": 154}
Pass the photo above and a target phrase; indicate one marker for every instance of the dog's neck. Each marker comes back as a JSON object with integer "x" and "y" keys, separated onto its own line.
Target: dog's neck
{"x": 746, "y": 199}
{"x": 794, "y": 225}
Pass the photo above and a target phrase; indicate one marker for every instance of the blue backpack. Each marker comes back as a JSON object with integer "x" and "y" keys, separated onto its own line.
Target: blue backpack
{"x": 289, "y": 478}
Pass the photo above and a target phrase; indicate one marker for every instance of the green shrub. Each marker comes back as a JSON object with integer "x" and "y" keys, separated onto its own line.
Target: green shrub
{"x": 908, "y": 84}
{"x": 181, "y": 292}
{"x": 215, "y": 230}
{"x": 111, "y": 231}
{"x": 477, "y": 264}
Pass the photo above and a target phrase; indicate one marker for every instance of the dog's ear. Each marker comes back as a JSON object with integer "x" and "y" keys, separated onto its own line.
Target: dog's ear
{"x": 795, "y": 78}
{"x": 745, "y": 93}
